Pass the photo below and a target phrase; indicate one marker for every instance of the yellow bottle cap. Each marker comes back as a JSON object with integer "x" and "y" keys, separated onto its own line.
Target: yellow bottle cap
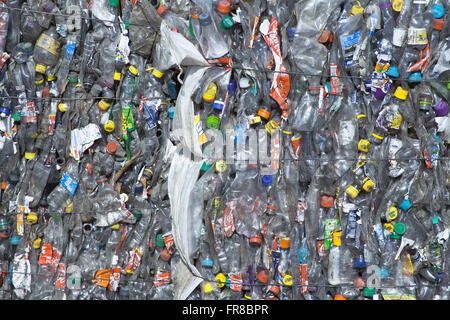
{"x": 221, "y": 166}
{"x": 363, "y": 145}
{"x": 50, "y": 78}
{"x": 69, "y": 208}
{"x": 389, "y": 227}
{"x": 272, "y": 126}
{"x": 133, "y": 70}
{"x": 207, "y": 288}
{"x": 287, "y": 280}
{"x": 29, "y": 155}
{"x": 37, "y": 243}
{"x": 109, "y": 126}
{"x": 32, "y": 217}
{"x": 62, "y": 107}
{"x": 157, "y": 73}
{"x": 361, "y": 115}
{"x": 102, "y": 104}
{"x": 221, "y": 280}
{"x": 255, "y": 120}
{"x": 115, "y": 226}
{"x": 352, "y": 192}
{"x": 392, "y": 213}
{"x": 40, "y": 68}
{"x": 397, "y": 5}
{"x": 357, "y": 8}
{"x": 117, "y": 76}
{"x": 368, "y": 184}
{"x": 377, "y": 136}
{"x": 401, "y": 93}
{"x": 39, "y": 81}
{"x": 210, "y": 92}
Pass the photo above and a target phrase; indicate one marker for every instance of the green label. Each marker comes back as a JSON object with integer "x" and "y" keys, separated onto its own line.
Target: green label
{"x": 330, "y": 226}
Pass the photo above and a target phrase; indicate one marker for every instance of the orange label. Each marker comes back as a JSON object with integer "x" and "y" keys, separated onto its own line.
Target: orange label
{"x": 304, "y": 278}
{"x": 61, "y": 280}
{"x": 235, "y": 281}
{"x": 46, "y": 254}
{"x": 253, "y": 35}
{"x": 162, "y": 278}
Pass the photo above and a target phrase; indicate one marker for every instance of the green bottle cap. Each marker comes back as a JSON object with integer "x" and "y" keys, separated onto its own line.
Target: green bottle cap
{"x": 400, "y": 228}
{"x": 435, "y": 219}
{"x": 127, "y": 24}
{"x": 368, "y": 292}
{"x": 159, "y": 240}
{"x": 395, "y": 236}
{"x": 16, "y": 117}
{"x": 137, "y": 214}
{"x": 226, "y": 23}
{"x": 73, "y": 80}
{"x": 114, "y": 3}
{"x": 212, "y": 122}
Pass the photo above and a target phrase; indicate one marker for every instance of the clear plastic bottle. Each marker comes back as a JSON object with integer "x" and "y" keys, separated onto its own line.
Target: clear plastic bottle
{"x": 47, "y": 50}
{"x": 211, "y": 41}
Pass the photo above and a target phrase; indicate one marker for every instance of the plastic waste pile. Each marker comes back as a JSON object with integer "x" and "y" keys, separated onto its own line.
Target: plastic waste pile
{"x": 224, "y": 150}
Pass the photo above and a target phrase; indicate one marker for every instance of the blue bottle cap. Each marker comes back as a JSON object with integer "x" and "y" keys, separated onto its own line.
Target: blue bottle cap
{"x": 138, "y": 189}
{"x": 392, "y": 72}
{"x": 291, "y": 33}
{"x": 204, "y": 19}
{"x": 4, "y": 111}
{"x": 267, "y": 179}
{"x": 360, "y": 263}
{"x": 438, "y": 10}
{"x": 208, "y": 263}
{"x": 384, "y": 273}
{"x": 405, "y": 205}
{"x": 328, "y": 86}
{"x": 171, "y": 112}
{"x": 172, "y": 89}
{"x": 232, "y": 85}
{"x": 303, "y": 255}
{"x": 415, "y": 77}
{"x": 218, "y": 105}
{"x": 15, "y": 241}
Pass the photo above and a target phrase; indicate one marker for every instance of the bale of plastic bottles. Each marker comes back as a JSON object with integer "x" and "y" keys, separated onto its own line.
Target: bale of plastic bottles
{"x": 224, "y": 150}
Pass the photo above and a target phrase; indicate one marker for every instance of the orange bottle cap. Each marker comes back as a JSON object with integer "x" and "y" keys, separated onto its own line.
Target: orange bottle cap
{"x": 324, "y": 37}
{"x": 263, "y": 276}
{"x": 256, "y": 240}
{"x": 339, "y": 297}
{"x": 165, "y": 255}
{"x": 162, "y": 9}
{"x": 327, "y": 201}
{"x": 275, "y": 290}
{"x": 224, "y": 7}
{"x": 284, "y": 243}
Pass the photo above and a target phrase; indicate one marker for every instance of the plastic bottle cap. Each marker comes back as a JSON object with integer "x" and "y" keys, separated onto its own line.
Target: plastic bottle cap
{"x": 401, "y": 93}
{"x": 287, "y": 280}
{"x": 62, "y": 107}
{"x": 210, "y": 92}
{"x": 137, "y": 214}
{"x": 400, "y": 228}
{"x": 264, "y": 113}
{"x": 159, "y": 240}
{"x": 392, "y": 72}
{"x": 37, "y": 243}
{"x": 405, "y": 205}
{"x": 284, "y": 243}
{"x": 115, "y": 226}
{"x": 337, "y": 238}
{"x": 30, "y": 155}
{"x": 232, "y": 86}
{"x": 32, "y": 217}
{"x": 339, "y": 297}
{"x": 271, "y": 126}
{"x": 207, "y": 288}
{"x": 438, "y": 10}
{"x": 221, "y": 280}
{"x": 363, "y": 145}
{"x": 205, "y": 19}
{"x": 291, "y": 33}
{"x": 360, "y": 263}
{"x": 133, "y": 70}
{"x": 357, "y": 9}
{"x": 171, "y": 112}
{"x": 111, "y": 147}
{"x": 218, "y": 105}
{"x": 244, "y": 83}
{"x": 435, "y": 219}
{"x": 439, "y": 24}
{"x": 267, "y": 179}
{"x": 352, "y": 192}
{"x": 275, "y": 290}
{"x": 157, "y": 73}
{"x": 109, "y": 126}
{"x": 69, "y": 208}
{"x": 441, "y": 108}
{"x": 395, "y": 236}
{"x": 327, "y": 201}
{"x": 114, "y": 3}
{"x": 263, "y": 276}
{"x": 392, "y": 213}
{"x": 226, "y": 23}
{"x": 16, "y": 117}
{"x": 73, "y": 80}
{"x": 208, "y": 263}
{"x": 221, "y": 166}
{"x": 224, "y": 7}
{"x": 255, "y": 240}
{"x": 368, "y": 292}
{"x": 15, "y": 241}
{"x": 162, "y": 9}
{"x": 50, "y": 78}
{"x": 368, "y": 185}
{"x": 212, "y": 122}
{"x": 415, "y": 77}
{"x": 324, "y": 36}
{"x": 389, "y": 227}
{"x": 104, "y": 105}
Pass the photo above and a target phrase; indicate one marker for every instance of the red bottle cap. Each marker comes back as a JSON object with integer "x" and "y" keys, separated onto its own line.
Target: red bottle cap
{"x": 111, "y": 148}
{"x": 223, "y": 7}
